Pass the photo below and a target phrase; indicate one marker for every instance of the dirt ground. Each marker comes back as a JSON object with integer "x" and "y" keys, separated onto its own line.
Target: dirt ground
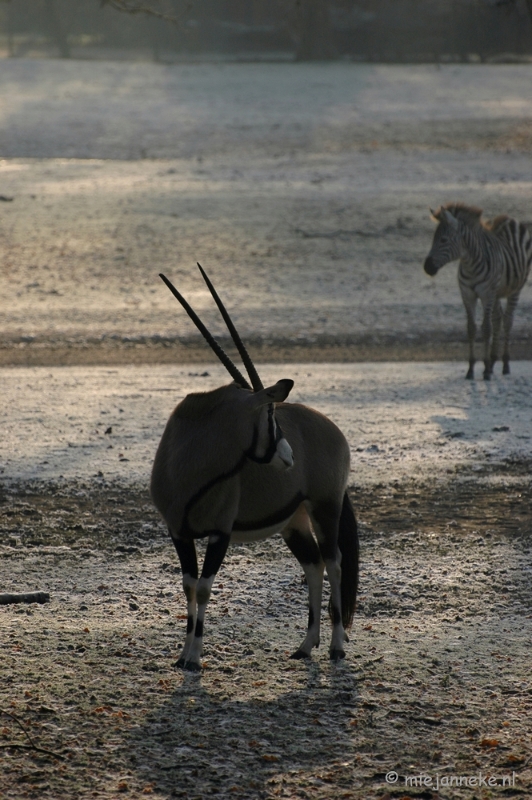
{"x": 304, "y": 190}
{"x": 436, "y": 682}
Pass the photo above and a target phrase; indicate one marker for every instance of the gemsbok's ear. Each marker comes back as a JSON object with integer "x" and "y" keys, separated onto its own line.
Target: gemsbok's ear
{"x": 273, "y": 394}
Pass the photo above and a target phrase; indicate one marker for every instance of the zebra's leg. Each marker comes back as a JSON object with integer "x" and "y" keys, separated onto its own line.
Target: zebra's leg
{"x": 487, "y": 330}
{"x": 470, "y": 302}
{"x": 214, "y": 555}
{"x": 508, "y": 319}
{"x": 298, "y": 536}
{"x": 186, "y": 550}
{"x": 497, "y": 319}
{"x": 325, "y": 521}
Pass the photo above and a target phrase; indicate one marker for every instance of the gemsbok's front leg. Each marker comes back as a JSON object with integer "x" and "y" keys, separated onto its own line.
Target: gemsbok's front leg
{"x": 214, "y": 555}
{"x": 298, "y": 536}
{"x": 186, "y": 551}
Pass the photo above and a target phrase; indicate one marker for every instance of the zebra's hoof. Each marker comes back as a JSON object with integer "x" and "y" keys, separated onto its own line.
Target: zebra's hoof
{"x": 336, "y": 654}
{"x": 299, "y": 654}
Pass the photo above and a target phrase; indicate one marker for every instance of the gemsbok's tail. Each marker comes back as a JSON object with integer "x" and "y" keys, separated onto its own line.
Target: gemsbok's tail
{"x": 349, "y": 548}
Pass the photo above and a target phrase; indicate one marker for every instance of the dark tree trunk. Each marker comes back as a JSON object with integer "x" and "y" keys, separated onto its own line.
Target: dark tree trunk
{"x": 56, "y": 29}
{"x": 316, "y": 42}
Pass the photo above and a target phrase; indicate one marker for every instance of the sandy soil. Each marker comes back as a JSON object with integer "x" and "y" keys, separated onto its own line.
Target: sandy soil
{"x": 304, "y": 190}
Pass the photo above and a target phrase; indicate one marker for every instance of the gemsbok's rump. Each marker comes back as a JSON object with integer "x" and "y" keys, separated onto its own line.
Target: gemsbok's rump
{"x": 238, "y": 464}
{"x": 495, "y": 259}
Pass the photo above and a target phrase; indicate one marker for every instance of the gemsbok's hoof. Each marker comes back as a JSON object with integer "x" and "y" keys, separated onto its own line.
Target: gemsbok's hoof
{"x": 299, "y": 654}
{"x": 336, "y": 654}
{"x": 180, "y": 663}
{"x": 191, "y": 666}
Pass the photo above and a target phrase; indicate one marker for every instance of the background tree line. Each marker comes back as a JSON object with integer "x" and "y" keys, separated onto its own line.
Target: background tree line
{"x": 379, "y": 30}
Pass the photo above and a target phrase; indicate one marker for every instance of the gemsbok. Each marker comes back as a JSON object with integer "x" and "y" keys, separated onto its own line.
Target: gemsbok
{"x": 238, "y": 464}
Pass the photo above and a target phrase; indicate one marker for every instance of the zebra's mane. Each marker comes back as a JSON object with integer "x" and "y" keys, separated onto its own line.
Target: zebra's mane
{"x": 469, "y": 215}
{"x": 498, "y": 222}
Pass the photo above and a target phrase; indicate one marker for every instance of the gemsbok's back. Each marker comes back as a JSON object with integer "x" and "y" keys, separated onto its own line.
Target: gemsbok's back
{"x": 238, "y": 464}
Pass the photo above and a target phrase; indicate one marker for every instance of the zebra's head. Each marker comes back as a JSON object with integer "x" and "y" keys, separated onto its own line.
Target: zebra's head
{"x": 447, "y": 244}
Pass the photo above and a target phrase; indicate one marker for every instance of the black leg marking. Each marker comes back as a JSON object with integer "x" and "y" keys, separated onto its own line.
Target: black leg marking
{"x": 336, "y": 617}
{"x": 199, "y": 628}
{"x": 303, "y": 547}
{"x": 186, "y": 551}
{"x": 214, "y": 555}
{"x": 327, "y": 515}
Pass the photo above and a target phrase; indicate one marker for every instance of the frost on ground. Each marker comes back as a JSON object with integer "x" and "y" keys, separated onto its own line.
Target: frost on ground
{"x": 436, "y": 681}
{"x": 304, "y": 190}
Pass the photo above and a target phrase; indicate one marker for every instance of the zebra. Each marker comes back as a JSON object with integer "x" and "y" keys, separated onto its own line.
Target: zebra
{"x": 495, "y": 259}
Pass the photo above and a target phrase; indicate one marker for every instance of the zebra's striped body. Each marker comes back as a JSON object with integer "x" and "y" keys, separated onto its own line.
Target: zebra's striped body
{"x": 495, "y": 259}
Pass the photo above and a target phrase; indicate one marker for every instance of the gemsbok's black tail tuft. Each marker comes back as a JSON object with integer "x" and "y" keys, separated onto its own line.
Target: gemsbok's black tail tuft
{"x": 349, "y": 548}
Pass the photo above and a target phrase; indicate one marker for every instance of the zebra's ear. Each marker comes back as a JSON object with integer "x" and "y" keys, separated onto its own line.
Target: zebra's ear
{"x": 449, "y": 219}
{"x": 434, "y": 215}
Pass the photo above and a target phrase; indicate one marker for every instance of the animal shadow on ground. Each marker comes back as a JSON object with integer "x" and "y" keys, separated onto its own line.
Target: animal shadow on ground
{"x": 215, "y": 735}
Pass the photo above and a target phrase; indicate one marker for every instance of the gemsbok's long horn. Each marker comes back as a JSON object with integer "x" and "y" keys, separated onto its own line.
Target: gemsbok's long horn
{"x": 244, "y": 355}
{"x": 222, "y": 355}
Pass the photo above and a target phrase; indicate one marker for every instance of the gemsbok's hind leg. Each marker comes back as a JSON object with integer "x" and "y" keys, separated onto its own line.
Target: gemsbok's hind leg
{"x": 325, "y": 520}
{"x": 298, "y": 536}
{"x": 186, "y": 551}
{"x": 214, "y": 555}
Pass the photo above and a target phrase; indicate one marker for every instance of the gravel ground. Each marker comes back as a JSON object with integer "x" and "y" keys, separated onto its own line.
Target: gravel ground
{"x": 304, "y": 190}
{"x": 436, "y": 682}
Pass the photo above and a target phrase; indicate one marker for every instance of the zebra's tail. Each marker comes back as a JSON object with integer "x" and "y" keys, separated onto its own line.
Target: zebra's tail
{"x": 349, "y": 548}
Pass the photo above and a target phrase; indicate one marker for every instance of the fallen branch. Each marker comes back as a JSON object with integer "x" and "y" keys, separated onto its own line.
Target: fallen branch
{"x": 27, "y": 597}
{"x": 135, "y": 8}
{"x": 31, "y": 745}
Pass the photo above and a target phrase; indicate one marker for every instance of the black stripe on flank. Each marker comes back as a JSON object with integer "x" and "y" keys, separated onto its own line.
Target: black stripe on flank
{"x": 278, "y": 516}
{"x": 204, "y": 489}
